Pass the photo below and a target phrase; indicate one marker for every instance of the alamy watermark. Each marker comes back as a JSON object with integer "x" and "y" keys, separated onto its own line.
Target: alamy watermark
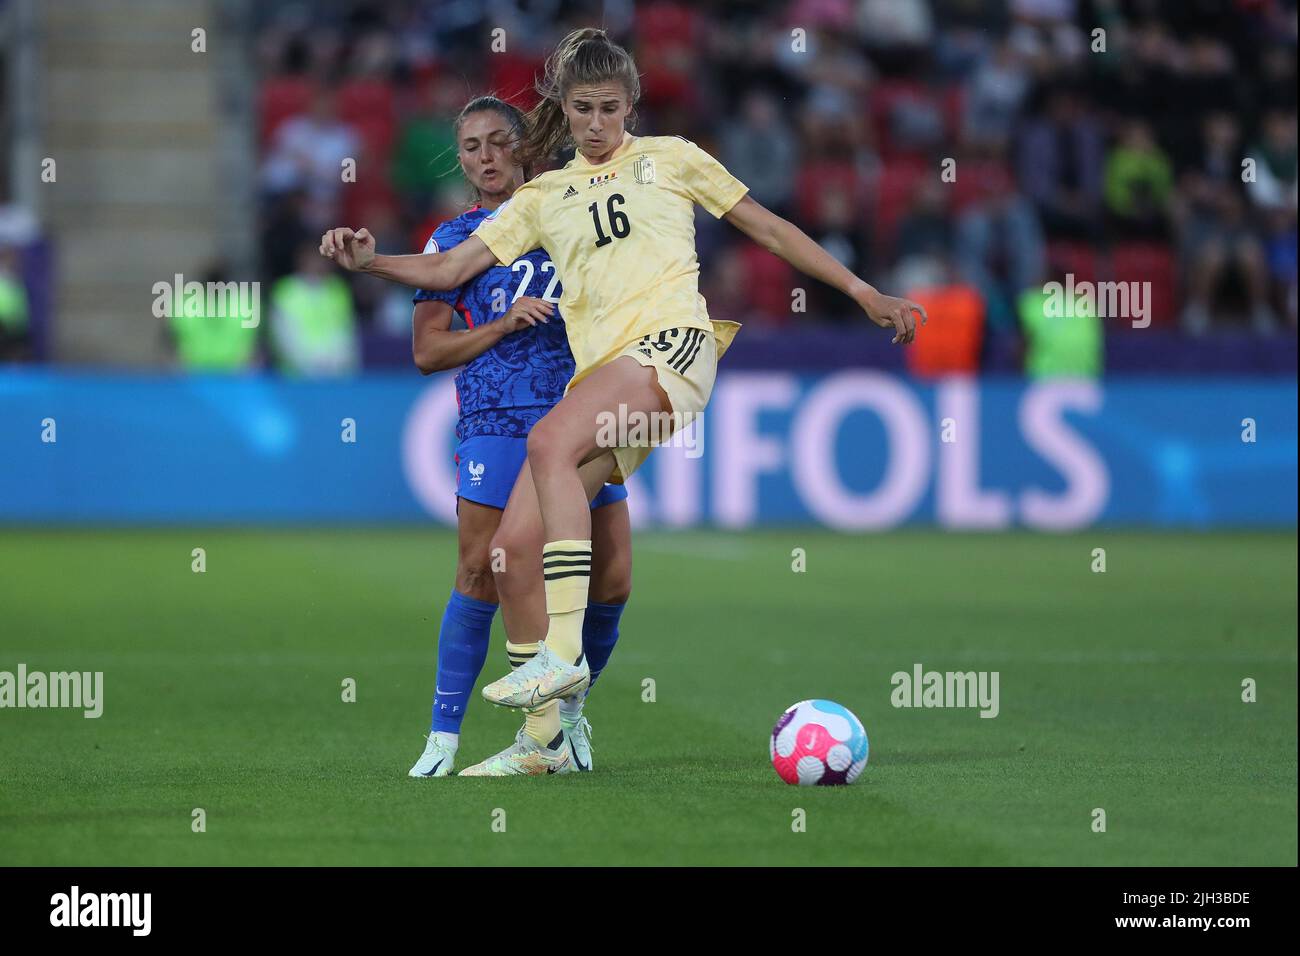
{"x": 629, "y": 428}
{"x": 922, "y": 688}
{"x": 232, "y": 300}
{"x": 76, "y": 908}
{"x": 1103, "y": 300}
{"x": 73, "y": 689}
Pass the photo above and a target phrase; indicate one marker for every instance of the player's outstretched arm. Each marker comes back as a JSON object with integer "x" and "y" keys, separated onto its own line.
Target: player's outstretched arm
{"x": 792, "y": 244}
{"x": 355, "y": 251}
{"x": 435, "y": 347}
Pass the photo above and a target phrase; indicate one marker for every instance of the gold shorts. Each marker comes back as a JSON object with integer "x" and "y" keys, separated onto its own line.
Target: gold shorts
{"x": 686, "y": 363}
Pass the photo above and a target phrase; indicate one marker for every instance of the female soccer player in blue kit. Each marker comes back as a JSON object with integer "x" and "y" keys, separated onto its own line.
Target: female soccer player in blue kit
{"x": 516, "y": 362}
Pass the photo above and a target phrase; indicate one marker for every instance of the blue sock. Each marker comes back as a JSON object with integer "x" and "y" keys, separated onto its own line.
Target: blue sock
{"x": 462, "y": 649}
{"x": 599, "y": 635}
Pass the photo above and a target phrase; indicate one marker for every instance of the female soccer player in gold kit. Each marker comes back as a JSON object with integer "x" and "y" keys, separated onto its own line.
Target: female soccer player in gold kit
{"x": 618, "y": 221}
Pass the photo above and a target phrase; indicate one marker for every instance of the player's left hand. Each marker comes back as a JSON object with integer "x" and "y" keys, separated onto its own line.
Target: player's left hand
{"x": 888, "y": 310}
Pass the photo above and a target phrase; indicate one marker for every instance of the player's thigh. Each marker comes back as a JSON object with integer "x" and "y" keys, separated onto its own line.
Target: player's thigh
{"x": 516, "y": 548}
{"x": 476, "y": 524}
{"x": 580, "y": 427}
{"x": 611, "y": 553}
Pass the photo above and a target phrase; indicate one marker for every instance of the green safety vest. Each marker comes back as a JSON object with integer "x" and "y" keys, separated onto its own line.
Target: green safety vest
{"x": 212, "y": 343}
{"x": 1059, "y": 346}
{"x": 13, "y": 305}
{"x": 320, "y": 312}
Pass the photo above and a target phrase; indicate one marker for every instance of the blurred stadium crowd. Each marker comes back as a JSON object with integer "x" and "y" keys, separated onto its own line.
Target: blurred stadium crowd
{"x": 963, "y": 151}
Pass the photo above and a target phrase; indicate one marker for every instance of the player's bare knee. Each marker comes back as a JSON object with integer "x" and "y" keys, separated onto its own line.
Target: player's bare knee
{"x": 611, "y": 578}
{"x": 548, "y": 448}
{"x": 539, "y": 444}
{"x": 475, "y": 579}
{"x": 614, "y": 589}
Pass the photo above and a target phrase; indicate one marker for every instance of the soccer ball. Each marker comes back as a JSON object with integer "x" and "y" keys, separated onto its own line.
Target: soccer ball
{"x": 818, "y": 742}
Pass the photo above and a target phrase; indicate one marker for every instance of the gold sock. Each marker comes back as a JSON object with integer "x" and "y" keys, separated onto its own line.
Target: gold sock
{"x": 543, "y": 724}
{"x": 566, "y": 566}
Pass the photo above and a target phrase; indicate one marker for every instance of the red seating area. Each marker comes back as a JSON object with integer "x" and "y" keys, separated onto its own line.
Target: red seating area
{"x": 1153, "y": 263}
{"x": 1124, "y": 262}
{"x": 770, "y": 281}
{"x": 893, "y": 192}
{"x": 927, "y": 115}
{"x": 370, "y": 107}
{"x": 891, "y": 97}
{"x": 281, "y": 97}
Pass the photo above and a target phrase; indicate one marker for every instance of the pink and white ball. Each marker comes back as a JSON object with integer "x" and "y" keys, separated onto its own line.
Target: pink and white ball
{"x": 818, "y": 743}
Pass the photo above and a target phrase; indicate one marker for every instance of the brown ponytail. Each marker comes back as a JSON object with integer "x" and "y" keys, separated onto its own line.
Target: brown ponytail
{"x": 585, "y": 57}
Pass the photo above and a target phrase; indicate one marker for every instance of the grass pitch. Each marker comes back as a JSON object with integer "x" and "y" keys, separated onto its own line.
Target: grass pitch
{"x": 222, "y": 691}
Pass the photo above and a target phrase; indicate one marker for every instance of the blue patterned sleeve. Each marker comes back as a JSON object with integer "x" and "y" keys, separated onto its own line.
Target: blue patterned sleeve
{"x": 446, "y": 237}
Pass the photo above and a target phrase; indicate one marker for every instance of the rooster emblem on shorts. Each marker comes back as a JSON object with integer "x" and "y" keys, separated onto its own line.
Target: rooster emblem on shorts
{"x": 476, "y": 472}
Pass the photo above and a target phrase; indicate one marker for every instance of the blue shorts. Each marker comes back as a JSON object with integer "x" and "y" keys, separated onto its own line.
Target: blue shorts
{"x": 487, "y": 466}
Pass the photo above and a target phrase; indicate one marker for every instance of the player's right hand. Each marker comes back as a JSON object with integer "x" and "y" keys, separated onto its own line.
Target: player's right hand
{"x": 354, "y": 251}
{"x": 889, "y": 311}
{"x": 527, "y": 311}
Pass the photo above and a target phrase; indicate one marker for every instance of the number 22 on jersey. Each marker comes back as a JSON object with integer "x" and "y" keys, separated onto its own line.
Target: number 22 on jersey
{"x": 526, "y": 267}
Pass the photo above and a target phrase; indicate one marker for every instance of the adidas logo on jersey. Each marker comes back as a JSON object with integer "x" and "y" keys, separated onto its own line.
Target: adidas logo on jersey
{"x": 569, "y": 192}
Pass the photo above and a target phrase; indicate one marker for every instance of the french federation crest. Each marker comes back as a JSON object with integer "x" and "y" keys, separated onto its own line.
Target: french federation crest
{"x": 643, "y": 170}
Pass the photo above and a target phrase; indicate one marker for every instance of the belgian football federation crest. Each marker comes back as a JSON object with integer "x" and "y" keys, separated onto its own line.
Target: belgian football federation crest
{"x": 643, "y": 170}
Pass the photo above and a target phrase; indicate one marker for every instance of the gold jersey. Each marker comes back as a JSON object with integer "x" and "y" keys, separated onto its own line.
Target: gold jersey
{"x": 622, "y": 237}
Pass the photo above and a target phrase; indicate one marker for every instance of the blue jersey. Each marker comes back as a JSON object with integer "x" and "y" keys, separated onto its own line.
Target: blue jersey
{"x": 509, "y": 387}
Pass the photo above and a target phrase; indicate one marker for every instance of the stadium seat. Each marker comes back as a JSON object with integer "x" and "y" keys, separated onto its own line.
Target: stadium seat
{"x": 894, "y": 190}
{"x": 368, "y": 194}
{"x": 979, "y": 179}
{"x": 1154, "y": 263}
{"x": 770, "y": 282}
{"x": 904, "y": 106}
{"x": 669, "y": 33}
{"x": 369, "y": 106}
{"x": 817, "y": 178}
{"x": 1078, "y": 258}
{"x": 281, "y": 97}
{"x": 512, "y": 77}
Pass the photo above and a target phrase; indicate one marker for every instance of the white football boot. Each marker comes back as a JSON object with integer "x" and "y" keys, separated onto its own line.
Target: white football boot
{"x": 578, "y": 732}
{"x": 544, "y": 678}
{"x": 438, "y": 758}
{"x": 525, "y": 757}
